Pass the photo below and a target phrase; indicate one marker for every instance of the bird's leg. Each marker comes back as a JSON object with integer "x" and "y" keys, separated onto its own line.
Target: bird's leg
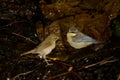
{"x": 46, "y": 60}
{"x": 44, "y": 57}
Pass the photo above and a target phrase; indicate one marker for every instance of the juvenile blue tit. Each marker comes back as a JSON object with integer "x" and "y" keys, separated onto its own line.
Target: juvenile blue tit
{"x": 79, "y": 40}
{"x": 45, "y": 47}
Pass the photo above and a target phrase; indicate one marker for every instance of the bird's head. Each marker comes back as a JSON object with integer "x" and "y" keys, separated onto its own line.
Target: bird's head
{"x": 73, "y": 30}
{"x": 54, "y": 37}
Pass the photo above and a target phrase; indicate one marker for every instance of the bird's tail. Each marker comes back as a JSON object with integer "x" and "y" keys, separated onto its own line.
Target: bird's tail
{"x": 28, "y": 52}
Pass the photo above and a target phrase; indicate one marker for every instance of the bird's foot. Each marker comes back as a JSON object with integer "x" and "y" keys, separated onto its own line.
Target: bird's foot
{"x": 44, "y": 57}
{"x": 48, "y": 64}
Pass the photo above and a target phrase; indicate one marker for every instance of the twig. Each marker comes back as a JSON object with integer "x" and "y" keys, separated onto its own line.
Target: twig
{"x": 15, "y": 22}
{"x": 25, "y": 73}
{"x": 105, "y": 61}
{"x": 70, "y": 70}
{"x": 110, "y": 61}
{"x": 25, "y": 38}
{"x": 65, "y": 73}
{"x": 59, "y": 75}
{"x": 76, "y": 75}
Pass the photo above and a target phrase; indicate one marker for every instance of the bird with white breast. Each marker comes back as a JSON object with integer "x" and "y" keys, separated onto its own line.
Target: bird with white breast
{"x": 78, "y": 40}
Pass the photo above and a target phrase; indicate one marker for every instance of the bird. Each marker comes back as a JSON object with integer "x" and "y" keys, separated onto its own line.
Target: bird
{"x": 79, "y": 40}
{"x": 44, "y": 48}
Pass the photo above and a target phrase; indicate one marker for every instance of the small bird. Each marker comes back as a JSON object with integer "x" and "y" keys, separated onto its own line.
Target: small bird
{"x": 45, "y": 47}
{"x": 79, "y": 40}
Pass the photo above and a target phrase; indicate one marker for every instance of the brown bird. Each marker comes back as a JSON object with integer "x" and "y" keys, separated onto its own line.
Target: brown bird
{"x": 45, "y": 47}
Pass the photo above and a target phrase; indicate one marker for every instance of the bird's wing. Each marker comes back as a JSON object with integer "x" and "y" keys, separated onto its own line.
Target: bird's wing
{"x": 38, "y": 49}
{"x": 83, "y": 38}
{"x": 43, "y": 45}
{"x": 78, "y": 37}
